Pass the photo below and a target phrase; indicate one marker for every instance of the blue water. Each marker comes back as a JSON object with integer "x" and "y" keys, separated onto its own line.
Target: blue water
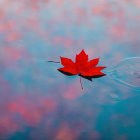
{"x": 37, "y": 102}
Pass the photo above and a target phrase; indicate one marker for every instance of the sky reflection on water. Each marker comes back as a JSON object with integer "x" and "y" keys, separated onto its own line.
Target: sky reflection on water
{"x": 36, "y": 101}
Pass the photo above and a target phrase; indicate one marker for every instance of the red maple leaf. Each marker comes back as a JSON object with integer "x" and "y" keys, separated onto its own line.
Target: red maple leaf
{"x": 81, "y": 66}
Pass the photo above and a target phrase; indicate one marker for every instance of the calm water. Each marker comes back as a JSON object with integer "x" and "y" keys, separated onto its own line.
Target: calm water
{"x": 39, "y": 103}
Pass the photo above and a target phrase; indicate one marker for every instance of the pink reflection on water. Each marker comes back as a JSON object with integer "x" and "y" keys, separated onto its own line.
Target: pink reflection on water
{"x": 28, "y": 110}
{"x": 8, "y": 126}
{"x": 65, "y": 132}
{"x": 72, "y": 91}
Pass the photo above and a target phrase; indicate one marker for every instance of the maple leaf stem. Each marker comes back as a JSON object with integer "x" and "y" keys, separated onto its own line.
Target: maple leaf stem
{"x": 81, "y": 83}
{"x": 53, "y": 61}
